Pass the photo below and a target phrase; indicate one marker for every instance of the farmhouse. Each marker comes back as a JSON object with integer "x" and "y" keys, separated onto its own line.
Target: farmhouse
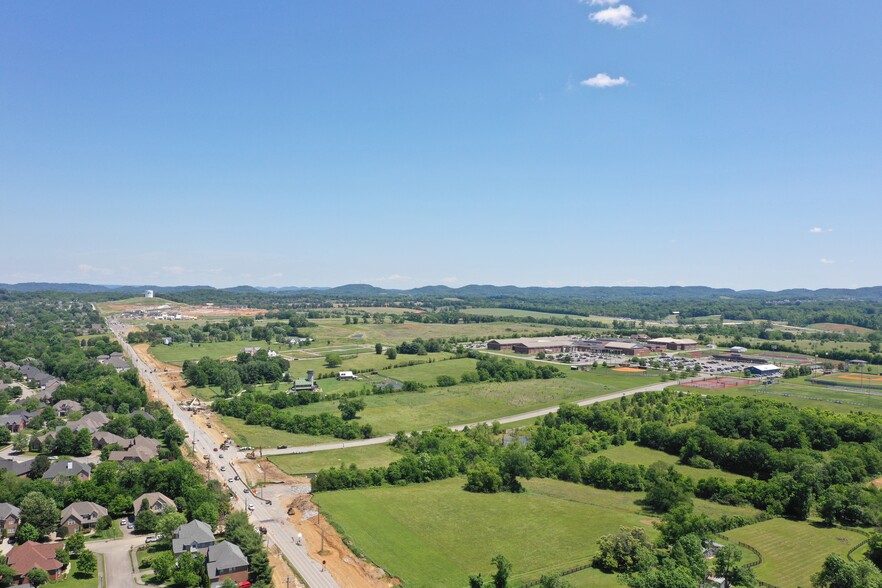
{"x": 346, "y": 376}
{"x": 306, "y": 384}
{"x": 81, "y": 516}
{"x": 764, "y": 369}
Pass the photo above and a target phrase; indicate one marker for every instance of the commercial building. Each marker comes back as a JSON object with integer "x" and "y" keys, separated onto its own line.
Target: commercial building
{"x": 672, "y": 344}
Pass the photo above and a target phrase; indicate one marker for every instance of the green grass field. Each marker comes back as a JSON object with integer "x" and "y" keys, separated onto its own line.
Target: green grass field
{"x": 364, "y": 457}
{"x": 177, "y": 353}
{"x": 336, "y": 332}
{"x": 634, "y": 454}
{"x": 436, "y": 534}
{"x": 257, "y": 436}
{"x": 467, "y": 403}
{"x": 793, "y": 551}
{"x": 791, "y": 391}
{"x": 77, "y": 579}
{"x": 520, "y": 313}
{"x": 428, "y": 373}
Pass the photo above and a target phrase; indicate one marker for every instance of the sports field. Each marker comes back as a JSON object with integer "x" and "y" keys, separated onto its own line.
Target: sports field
{"x": 793, "y": 550}
{"x": 436, "y": 534}
{"x": 852, "y": 380}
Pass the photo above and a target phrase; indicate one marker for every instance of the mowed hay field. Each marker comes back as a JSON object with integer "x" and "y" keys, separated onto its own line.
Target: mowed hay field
{"x": 437, "y": 534}
{"x": 793, "y": 551}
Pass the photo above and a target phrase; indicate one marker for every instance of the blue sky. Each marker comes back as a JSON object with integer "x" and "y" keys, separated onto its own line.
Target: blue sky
{"x": 731, "y": 144}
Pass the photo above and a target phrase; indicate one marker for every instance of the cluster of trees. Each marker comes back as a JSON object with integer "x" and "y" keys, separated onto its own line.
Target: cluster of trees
{"x": 795, "y": 372}
{"x": 492, "y": 368}
{"x": 234, "y": 329}
{"x": 258, "y": 409}
{"x": 231, "y": 376}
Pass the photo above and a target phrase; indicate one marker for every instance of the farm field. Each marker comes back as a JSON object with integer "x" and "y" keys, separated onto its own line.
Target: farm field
{"x": 367, "y": 456}
{"x": 840, "y": 328}
{"x": 467, "y": 403}
{"x": 793, "y": 551}
{"x": 436, "y": 534}
{"x": 634, "y": 454}
{"x": 428, "y": 373}
{"x": 523, "y": 313}
{"x": 335, "y": 331}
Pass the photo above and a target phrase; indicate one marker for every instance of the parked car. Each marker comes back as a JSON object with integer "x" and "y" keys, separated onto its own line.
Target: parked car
{"x": 250, "y": 506}
{"x": 221, "y": 456}
{"x": 215, "y": 448}
{"x": 223, "y": 468}
{"x": 122, "y": 522}
{"x": 152, "y": 539}
{"x": 282, "y": 447}
{"x": 130, "y": 526}
{"x": 230, "y": 480}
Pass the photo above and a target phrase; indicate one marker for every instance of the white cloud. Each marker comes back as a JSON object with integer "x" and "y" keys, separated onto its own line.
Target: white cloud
{"x": 617, "y": 16}
{"x": 392, "y": 278}
{"x": 826, "y": 261}
{"x": 600, "y": 2}
{"x": 603, "y": 80}
{"x": 820, "y": 230}
{"x": 91, "y": 269}
{"x": 449, "y": 280}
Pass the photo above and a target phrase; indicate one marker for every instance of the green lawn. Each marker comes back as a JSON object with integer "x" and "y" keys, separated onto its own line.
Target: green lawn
{"x": 520, "y": 313}
{"x": 111, "y": 532}
{"x": 177, "y": 353}
{"x": 466, "y": 403}
{"x": 634, "y": 454}
{"x": 258, "y": 436}
{"x": 436, "y": 534}
{"x": 428, "y": 373}
{"x": 793, "y": 551}
{"x": 76, "y": 579}
{"x": 593, "y": 578}
{"x": 336, "y": 332}
{"x": 364, "y": 457}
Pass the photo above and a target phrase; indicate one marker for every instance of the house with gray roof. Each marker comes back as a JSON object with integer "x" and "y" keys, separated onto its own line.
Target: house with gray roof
{"x": 14, "y": 423}
{"x": 143, "y": 413}
{"x": 102, "y": 439}
{"x": 140, "y": 449}
{"x": 92, "y": 421}
{"x": 193, "y": 536}
{"x": 65, "y": 407}
{"x": 157, "y": 502}
{"x": 20, "y": 469}
{"x": 226, "y": 561}
{"x": 81, "y": 516}
{"x": 66, "y": 469}
{"x": 10, "y": 517}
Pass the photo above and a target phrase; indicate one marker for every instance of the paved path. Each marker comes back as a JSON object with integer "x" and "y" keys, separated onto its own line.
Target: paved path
{"x": 279, "y": 532}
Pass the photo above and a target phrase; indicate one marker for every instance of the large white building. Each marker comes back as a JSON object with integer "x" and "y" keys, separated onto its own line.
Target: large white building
{"x": 148, "y": 294}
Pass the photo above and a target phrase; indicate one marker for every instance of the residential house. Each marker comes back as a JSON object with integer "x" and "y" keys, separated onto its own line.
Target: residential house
{"x": 65, "y": 407}
{"x": 157, "y": 501}
{"x": 81, "y": 516}
{"x": 15, "y": 423}
{"x": 102, "y": 439}
{"x": 92, "y": 421}
{"x": 10, "y": 517}
{"x": 30, "y": 554}
{"x": 143, "y": 413}
{"x": 193, "y": 536}
{"x": 115, "y": 360}
{"x": 27, "y": 415}
{"x": 226, "y": 561}
{"x": 20, "y": 469}
{"x": 66, "y": 469}
{"x": 140, "y": 449}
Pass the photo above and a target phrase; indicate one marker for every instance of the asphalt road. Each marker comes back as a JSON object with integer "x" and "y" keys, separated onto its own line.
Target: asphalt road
{"x": 117, "y": 560}
{"x": 279, "y": 531}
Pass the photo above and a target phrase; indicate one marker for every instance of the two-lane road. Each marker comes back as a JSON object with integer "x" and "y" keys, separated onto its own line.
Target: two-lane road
{"x": 280, "y": 533}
